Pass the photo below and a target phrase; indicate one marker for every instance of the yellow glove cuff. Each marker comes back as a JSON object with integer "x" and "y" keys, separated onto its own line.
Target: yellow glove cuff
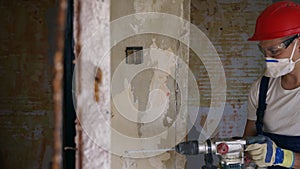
{"x": 288, "y": 159}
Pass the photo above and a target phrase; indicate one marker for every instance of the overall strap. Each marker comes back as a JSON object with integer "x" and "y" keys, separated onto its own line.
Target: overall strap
{"x": 263, "y": 88}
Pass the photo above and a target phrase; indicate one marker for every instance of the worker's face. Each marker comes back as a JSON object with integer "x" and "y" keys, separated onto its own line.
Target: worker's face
{"x": 280, "y": 48}
{"x": 281, "y": 55}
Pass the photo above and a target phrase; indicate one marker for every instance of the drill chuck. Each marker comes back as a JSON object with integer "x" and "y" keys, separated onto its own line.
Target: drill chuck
{"x": 194, "y": 148}
{"x": 187, "y": 148}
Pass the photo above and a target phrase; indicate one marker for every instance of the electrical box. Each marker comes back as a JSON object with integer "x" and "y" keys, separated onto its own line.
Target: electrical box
{"x": 134, "y": 55}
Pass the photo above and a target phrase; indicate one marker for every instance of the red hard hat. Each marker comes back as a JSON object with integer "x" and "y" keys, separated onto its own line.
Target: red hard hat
{"x": 278, "y": 20}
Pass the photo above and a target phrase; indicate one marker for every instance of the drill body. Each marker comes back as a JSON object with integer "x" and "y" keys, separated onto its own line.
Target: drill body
{"x": 230, "y": 151}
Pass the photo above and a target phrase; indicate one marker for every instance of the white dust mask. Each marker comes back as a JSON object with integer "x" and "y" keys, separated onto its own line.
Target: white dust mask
{"x": 280, "y": 67}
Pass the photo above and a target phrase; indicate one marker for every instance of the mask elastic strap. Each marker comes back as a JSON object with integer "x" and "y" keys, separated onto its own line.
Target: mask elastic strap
{"x": 294, "y": 48}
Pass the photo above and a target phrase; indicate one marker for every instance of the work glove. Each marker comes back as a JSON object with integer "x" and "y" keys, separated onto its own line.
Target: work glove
{"x": 267, "y": 153}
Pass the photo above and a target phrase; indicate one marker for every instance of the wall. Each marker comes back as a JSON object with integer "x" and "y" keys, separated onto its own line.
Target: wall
{"x": 26, "y": 35}
{"x": 227, "y": 24}
{"x": 92, "y": 83}
{"x": 132, "y": 98}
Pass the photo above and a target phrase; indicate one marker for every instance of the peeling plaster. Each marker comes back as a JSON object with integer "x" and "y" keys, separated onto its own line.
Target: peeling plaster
{"x": 129, "y": 163}
{"x": 148, "y": 6}
{"x": 158, "y": 82}
{"x": 151, "y": 87}
{"x": 158, "y": 161}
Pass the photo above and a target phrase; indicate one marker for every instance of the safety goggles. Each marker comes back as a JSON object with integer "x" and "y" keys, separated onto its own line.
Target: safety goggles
{"x": 278, "y": 49}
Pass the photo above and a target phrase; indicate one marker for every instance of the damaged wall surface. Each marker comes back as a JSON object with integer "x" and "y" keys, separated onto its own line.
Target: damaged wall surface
{"x": 92, "y": 83}
{"x": 26, "y": 121}
{"x": 146, "y": 106}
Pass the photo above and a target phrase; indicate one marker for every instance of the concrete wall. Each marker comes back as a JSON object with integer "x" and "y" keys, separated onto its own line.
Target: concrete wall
{"x": 27, "y": 41}
{"x": 158, "y": 54}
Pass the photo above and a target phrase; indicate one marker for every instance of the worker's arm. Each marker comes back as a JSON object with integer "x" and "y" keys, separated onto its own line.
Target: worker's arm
{"x": 250, "y": 129}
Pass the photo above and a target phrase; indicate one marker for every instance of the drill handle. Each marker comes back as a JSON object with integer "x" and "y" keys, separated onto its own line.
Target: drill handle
{"x": 255, "y": 139}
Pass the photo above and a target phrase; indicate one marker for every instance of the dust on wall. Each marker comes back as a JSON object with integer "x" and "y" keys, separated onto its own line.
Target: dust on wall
{"x": 26, "y": 121}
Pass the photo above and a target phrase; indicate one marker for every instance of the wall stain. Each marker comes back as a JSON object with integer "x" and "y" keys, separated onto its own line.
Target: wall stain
{"x": 97, "y": 82}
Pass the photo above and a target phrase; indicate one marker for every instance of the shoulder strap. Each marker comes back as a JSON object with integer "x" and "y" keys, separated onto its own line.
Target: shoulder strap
{"x": 263, "y": 88}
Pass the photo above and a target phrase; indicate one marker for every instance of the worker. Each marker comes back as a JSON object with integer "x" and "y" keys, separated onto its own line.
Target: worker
{"x": 274, "y": 99}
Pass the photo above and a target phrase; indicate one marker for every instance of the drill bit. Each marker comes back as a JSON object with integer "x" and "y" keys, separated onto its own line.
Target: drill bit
{"x": 149, "y": 151}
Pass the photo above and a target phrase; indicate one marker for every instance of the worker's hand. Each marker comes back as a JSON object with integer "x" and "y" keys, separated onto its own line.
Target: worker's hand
{"x": 268, "y": 154}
